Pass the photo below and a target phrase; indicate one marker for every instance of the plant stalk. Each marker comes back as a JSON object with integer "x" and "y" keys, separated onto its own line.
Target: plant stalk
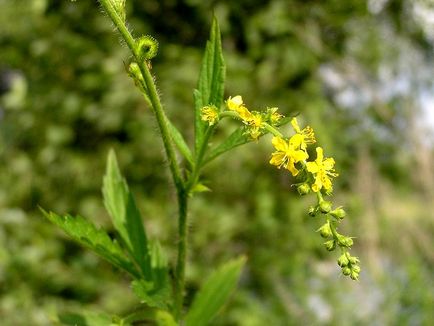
{"x": 179, "y": 280}
{"x": 182, "y": 194}
{"x": 153, "y": 94}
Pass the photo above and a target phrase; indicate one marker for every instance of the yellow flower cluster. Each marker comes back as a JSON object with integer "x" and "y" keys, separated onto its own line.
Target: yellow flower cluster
{"x": 254, "y": 121}
{"x": 293, "y": 155}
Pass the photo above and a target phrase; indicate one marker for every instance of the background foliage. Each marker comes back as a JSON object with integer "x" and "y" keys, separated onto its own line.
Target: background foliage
{"x": 359, "y": 72}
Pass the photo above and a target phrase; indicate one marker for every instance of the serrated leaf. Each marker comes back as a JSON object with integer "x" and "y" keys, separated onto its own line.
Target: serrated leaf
{"x": 210, "y": 88}
{"x": 214, "y": 293}
{"x": 180, "y": 142}
{"x": 145, "y": 291}
{"x": 88, "y": 235}
{"x": 125, "y": 215}
{"x": 158, "y": 292}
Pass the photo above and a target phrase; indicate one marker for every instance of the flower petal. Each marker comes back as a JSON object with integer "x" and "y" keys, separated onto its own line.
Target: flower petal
{"x": 312, "y": 167}
{"x": 279, "y": 144}
{"x": 328, "y": 163}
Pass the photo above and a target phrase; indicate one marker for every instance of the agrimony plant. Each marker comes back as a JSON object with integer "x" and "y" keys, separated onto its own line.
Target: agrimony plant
{"x": 161, "y": 293}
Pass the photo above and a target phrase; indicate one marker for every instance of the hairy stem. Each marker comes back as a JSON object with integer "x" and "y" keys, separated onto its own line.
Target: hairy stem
{"x": 182, "y": 254}
{"x": 182, "y": 195}
{"x": 153, "y": 94}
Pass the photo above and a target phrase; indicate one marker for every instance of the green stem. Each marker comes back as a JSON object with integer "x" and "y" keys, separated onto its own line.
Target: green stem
{"x": 198, "y": 162}
{"x": 272, "y": 130}
{"x": 153, "y": 95}
{"x": 179, "y": 280}
{"x": 182, "y": 195}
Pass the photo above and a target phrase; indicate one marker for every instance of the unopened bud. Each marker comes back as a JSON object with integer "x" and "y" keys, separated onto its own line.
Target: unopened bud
{"x": 303, "y": 189}
{"x": 325, "y": 206}
{"x": 330, "y": 245}
{"x": 338, "y": 213}
{"x": 312, "y": 211}
{"x": 354, "y": 276}
{"x": 356, "y": 269}
{"x": 343, "y": 260}
{"x": 354, "y": 260}
{"x": 325, "y": 231}
{"x": 345, "y": 241}
{"x": 346, "y": 271}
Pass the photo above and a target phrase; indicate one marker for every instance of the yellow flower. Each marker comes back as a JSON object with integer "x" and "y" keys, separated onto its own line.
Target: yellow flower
{"x": 234, "y": 103}
{"x": 210, "y": 114}
{"x": 254, "y": 122}
{"x": 323, "y": 170}
{"x": 287, "y": 154}
{"x": 308, "y": 136}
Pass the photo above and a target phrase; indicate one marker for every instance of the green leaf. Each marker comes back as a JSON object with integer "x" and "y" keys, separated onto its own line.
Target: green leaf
{"x": 125, "y": 215}
{"x": 145, "y": 291}
{"x": 237, "y": 138}
{"x": 158, "y": 292}
{"x": 214, "y": 293}
{"x": 180, "y": 142}
{"x": 86, "y": 233}
{"x": 210, "y": 88}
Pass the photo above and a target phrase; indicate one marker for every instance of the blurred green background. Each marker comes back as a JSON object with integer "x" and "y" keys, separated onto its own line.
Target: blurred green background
{"x": 359, "y": 72}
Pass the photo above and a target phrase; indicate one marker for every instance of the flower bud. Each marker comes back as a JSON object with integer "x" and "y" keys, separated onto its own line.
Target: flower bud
{"x": 343, "y": 260}
{"x": 312, "y": 211}
{"x": 325, "y": 231}
{"x": 354, "y": 276}
{"x": 354, "y": 260}
{"x": 330, "y": 245}
{"x": 134, "y": 71}
{"x": 147, "y": 47}
{"x": 338, "y": 213}
{"x": 303, "y": 189}
{"x": 325, "y": 206}
{"x": 345, "y": 241}
{"x": 356, "y": 269}
{"x": 346, "y": 271}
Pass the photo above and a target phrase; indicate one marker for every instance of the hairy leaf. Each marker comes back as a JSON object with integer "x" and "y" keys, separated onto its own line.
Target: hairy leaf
{"x": 214, "y": 293}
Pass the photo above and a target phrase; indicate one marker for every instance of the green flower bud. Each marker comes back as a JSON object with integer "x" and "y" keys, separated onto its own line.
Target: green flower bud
{"x": 330, "y": 245}
{"x": 303, "y": 189}
{"x": 343, "y": 260}
{"x": 312, "y": 211}
{"x": 354, "y": 276}
{"x": 345, "y": 241}
{"x": 134, "y": 70}
{"x": 325, "y": 231}
{"x": 147, "y": 46}
{"x": 325, "y": 206}
{"x": 354, "y": 260}
{"x": 346, "y": 271}
{"x": 338, "y": 213}
{"x": 356, "y": 269}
